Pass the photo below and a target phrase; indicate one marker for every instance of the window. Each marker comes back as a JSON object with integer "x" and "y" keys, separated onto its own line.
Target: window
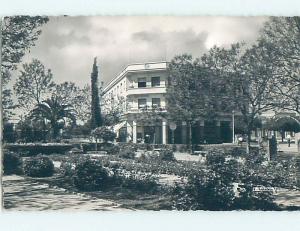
{"x": 142, "y": 103}
{"x": 155, "y": 81}
{"x": 141, "y": 82}
{"x": 155, "y": 102}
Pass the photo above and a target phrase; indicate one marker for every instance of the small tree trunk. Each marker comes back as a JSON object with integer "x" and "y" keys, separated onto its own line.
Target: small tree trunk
{"x": 248, "y": 142}
{"x": 96, "y": 147}
{"x": 190, "y": 137}
{"x": 55, "y": 132}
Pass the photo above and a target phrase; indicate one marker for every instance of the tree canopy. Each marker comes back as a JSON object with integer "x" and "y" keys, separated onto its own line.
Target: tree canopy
{"x": 18, "y": 34}
{"x": 34, "y": 84}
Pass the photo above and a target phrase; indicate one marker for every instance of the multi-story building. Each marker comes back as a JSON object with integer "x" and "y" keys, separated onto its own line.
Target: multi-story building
{"x": 142, "y": 88}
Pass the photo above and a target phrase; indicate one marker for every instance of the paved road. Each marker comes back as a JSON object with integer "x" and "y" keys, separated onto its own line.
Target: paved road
{"x": 25, "y": 194}
{"x": 285, "y": 148}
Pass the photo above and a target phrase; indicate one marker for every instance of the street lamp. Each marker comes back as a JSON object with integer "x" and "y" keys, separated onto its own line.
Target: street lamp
{"x": 233, "y": 125}
{"x": 172, "y": 126}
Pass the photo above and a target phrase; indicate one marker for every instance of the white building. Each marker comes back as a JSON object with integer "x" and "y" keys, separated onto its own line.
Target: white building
{"x": 143, "y": 88}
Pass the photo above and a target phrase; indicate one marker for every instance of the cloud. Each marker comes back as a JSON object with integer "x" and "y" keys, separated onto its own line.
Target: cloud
{"x": 68, "y": 45}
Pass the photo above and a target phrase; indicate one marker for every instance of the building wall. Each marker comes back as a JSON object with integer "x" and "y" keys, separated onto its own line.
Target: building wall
{"x": 126, "y": 85}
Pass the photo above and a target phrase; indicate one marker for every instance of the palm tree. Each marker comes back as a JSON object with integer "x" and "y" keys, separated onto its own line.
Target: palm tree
{"x": 54, "y": 112}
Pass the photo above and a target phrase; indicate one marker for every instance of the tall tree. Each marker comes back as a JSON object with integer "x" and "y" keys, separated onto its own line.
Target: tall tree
{"x": 96, "y": 118}
{"x": 248, "y": 79}
{"x": 79, "y": 98}
{"x": 253, "y": 86}
{"x": 33, "y": 85}
{"x": 281, "y": 37}
{"x": 18, "y": 34}
{"x": 192, "y": 92}
{"x": 55, "y": 112}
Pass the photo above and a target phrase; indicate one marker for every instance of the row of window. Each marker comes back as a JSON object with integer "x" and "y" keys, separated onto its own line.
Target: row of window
{"x": 155, "y": 82}
{"x": 142, "y": 103}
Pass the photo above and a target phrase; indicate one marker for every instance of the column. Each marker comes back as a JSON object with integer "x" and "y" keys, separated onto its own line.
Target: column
{"x": 201, "y": 131}
{"x": 134, "y": 132}
{"x": 164, "y": 132}
{"x": 218, "y": 131}
{"x": 128, "y": 132}
{"x": 184, "y": 133}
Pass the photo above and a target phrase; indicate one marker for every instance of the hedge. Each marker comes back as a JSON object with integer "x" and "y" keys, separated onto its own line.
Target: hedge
{"x": 35, "y": 149}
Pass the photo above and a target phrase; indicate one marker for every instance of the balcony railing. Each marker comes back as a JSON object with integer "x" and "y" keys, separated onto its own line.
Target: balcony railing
{"x": 147, "y": 109}
{"x": 146, "y": 90}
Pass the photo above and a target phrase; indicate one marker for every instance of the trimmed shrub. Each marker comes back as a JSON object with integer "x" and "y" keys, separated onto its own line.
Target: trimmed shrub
{"x": 135, "y": 180}
{"x": 90, "y": 175}
{"x": 12, "y": 163}
{"x": 203, "y": 191}
{"x": 35, "y": 149}
{"x": 67, "y": 168}
{"x": 40, "y": 166}
{"x": 127, "y": 152}
{"x": 113, "y": 150}
{"x": 166, "y": 154}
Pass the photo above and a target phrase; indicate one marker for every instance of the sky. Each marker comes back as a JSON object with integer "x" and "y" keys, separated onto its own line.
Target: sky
{"x": 68, "y": 45}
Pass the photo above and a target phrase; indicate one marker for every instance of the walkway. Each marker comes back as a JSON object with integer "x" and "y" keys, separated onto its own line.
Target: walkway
{"x": 25, "y": 194}
{"x": 283, "y": 147}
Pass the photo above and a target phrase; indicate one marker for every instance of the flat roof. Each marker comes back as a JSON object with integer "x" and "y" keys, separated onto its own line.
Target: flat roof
{"x": 135, "y": 67}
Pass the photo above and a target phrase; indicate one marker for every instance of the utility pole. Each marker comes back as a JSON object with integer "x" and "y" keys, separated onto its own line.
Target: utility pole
{"x": 233, "y": 125}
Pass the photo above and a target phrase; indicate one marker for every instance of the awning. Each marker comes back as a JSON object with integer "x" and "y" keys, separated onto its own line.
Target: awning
{"x": 118, "y": 126}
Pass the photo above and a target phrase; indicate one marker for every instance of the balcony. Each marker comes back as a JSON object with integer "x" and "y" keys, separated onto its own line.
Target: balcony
{"x": 146, "y": 90}
{"x": 147, "y": 109}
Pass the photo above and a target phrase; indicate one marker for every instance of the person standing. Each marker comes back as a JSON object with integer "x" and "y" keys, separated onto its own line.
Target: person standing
{"x": 289, "y": 140}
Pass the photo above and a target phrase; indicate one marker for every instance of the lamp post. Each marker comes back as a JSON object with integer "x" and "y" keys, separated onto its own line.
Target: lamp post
{"x": 173, "y": 126}
{"x": 233, "y": 125}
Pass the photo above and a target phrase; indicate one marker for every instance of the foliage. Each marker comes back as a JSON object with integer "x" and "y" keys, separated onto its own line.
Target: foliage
{"x": 204, "y": 191}
{"x": 161, "y": 155}
{"x": 79, "y": 98}
{"x": 67, "y": 168}
{"x": 18, "y": 34}
{"x": 127, "y": 152}
{"x": 90, "y": 175}
{"x": 40, "y": 166}
{"x": 135, "y": 180}
{"x": 192, "y": 91}
{"x": 12, "y": 163}
{"x": 9, "y": 134}
{"x": 7, "y": 102}
{"x": 280, "y": 36}
{"x": 113, "y": 109}
{"x": 34, "y": 84}
{"x": 55, "y": 112}
{"x": 31, "y": 131}
{"x": 103, "y": 133}
{"x": 212, "y": 188}
{"x": 31, "y": 149}
{"x": 96, "y": 118}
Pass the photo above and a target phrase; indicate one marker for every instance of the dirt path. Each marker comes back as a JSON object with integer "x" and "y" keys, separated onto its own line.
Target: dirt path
{"x": 25, "y": 194}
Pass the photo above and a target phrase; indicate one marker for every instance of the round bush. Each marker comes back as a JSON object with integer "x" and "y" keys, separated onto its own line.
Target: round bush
{"x": 90, "y": 175}
{"x": 127, "y": 152}
{"x": 40, "y": 166}
{"x": 167, "y": 154}
{"x": 66, "y": 168}
{"x": 12, "y": 163}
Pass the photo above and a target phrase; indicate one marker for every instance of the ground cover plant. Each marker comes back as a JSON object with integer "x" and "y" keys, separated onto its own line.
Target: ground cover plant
{"x": 40, "y": 166}
{"x": 203, "y": 186}
{"x": 12, "y": 163}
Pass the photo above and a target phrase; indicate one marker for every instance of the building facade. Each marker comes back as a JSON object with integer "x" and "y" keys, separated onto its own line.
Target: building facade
{"x": 142, "y": 88}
